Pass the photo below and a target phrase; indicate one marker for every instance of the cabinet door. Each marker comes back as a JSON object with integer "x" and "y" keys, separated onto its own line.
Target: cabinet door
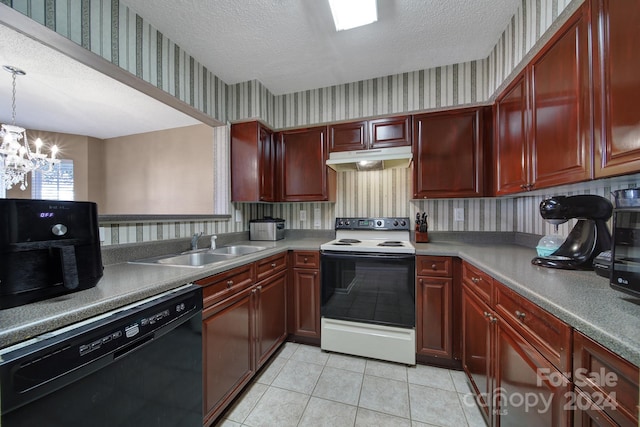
{"x": 561, "y": 107}
{"x": 434, "y": 317}
{"x": 601, "y": 374}
{"x": 447, "y": 154}
{"x": 390, "y": 132}
{"x": 529, "y": 391}
{"x": 303, "y": 172}
{"x": 348, "y": 136}
{"x": 511, "y": 150}
{"x": 227, "y": 330}
{"x": 267, "y": 162}
{"x": 476, "y": 348}
{"x": 253, "y": 158}
{"x": 306, "y": 303}
{"x": 616, "y": 86}
{"x": 271, "y": 319}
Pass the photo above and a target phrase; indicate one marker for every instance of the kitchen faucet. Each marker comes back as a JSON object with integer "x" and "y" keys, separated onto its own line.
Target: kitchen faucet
{"x": 194, "y": 241}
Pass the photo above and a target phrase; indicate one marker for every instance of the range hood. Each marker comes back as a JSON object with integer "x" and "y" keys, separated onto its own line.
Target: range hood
{"x": 374, "y": 159}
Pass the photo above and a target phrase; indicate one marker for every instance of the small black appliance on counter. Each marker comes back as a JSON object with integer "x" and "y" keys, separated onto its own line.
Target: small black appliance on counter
{"x": 48, "y": 248}
{"x": 625, "y": 266}
{"x": 588, "y": 238}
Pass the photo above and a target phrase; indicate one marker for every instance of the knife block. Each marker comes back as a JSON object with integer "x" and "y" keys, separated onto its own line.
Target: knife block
{"x": 422, "y": 236}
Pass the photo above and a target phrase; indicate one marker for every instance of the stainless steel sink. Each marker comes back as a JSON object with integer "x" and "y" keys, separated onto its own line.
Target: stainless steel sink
{"x": 196, "y": 259}
{"x": 238, "y": 249}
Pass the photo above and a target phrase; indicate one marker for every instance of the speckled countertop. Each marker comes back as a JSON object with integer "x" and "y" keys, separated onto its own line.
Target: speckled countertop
{"x": 582, "y": 299}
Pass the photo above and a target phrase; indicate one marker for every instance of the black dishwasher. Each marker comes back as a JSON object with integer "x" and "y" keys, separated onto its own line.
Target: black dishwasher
{"x": 140, "y": 365}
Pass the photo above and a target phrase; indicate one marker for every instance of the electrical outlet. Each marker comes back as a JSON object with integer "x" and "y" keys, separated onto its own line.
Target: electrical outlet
{"x": 316, "y": 218}
{"x": 238, "y": 215}
{"x": 458, "y": 214}
{"x": 303, "y": 215}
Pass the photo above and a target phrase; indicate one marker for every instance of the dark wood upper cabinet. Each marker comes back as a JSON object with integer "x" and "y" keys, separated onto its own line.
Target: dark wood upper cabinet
{"x": 370, "y": 134}
{"x": 304, "y": 175}
{"x": 348, "y": 136}
{"x": 616, "y": 72}
{"x": 511, "y": 148}
{"x": 448, "y": 156}
{"x": 253, "y": 160}
{"x": 390, "y": 132}
{"x": 543, "y": 118}
{"x": 561, "y": 107}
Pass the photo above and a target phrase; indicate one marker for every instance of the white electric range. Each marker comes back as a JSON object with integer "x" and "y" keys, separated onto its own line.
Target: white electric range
{"x": 368, "y": 289}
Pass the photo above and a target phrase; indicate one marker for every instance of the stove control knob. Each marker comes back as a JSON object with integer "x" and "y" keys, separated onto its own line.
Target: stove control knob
{"x": 379, "y": 223}
{"x": 341, "y": 222}
{"x": 403, "y": 223}
{"x": 347, "y": 222}
{"x": 395, "y": 223}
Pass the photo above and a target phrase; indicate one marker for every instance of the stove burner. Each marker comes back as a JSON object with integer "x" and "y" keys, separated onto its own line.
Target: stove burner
{"x": 349, "y": 241}
{"x": 341, "y": 244}
{"x": 392, "y": 243}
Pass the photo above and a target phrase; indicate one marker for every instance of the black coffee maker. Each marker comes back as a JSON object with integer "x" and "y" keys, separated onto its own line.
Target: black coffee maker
{"x": 588, "y": 238}
{"x": 48, "y": 248}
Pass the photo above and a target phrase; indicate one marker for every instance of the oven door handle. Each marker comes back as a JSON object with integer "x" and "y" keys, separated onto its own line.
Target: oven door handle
{"x": 370, "y": 255}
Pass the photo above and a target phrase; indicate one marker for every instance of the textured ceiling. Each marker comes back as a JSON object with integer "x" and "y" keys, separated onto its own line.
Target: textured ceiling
{"x": 292, "y": 45}
{"x": 288, "y": 45}
{"x": 61, "y": 95}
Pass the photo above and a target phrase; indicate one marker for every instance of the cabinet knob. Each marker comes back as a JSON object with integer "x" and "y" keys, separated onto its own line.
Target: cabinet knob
{"x": 259, "y": 287}
{"x": 254, "y": 291}
{"x": 487, "y": 314}
{"x": 520, "y": 315}
{"x": 273, "y": 265}
{"x": 434, "y": 267}
{"x": 229, "y": 283}
{"x": 306, "y": 260}
{"x": 476, "y": 279}
{"x": 493, "y": 319}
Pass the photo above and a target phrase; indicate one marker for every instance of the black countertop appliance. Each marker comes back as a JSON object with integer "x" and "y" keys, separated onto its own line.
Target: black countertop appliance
{"x": 48, "y": 248}
{"x": 588, "y": 238}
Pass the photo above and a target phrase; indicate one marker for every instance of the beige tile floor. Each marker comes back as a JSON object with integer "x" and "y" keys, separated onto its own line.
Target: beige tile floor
{"x": 304, "y": 386}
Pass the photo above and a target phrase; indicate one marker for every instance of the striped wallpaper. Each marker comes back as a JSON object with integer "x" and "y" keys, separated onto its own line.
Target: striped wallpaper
{"x": 111, "y": 30}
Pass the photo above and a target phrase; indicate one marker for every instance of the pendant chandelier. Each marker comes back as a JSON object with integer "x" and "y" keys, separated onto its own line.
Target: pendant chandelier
{"x": 16, "y": 157}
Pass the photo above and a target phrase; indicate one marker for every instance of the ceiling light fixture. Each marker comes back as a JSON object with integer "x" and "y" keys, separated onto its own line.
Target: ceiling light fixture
{"x": 16, "y": 157}
{"x": 349, "y": 14}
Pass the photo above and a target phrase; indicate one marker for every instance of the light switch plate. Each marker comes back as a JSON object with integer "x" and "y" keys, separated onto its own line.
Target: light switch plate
{"x": 238, "y": 215}
{"x": 303, "y": 215}
{"x": 458, "y": 214}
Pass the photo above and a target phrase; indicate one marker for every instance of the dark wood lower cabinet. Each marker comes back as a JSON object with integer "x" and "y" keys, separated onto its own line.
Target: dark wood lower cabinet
{"x": 434, "y": 317}
{"x": 529, "y": 391}
{"x": 227, "y": 331}
{"x": 271, "y": 318}
{"x": 477, "y": 331}
{"x": 243, "y": 324}
{"x": 304, "y": 297}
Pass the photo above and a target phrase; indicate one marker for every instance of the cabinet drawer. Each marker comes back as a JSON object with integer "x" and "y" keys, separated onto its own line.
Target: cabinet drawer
{"x": 602, "y": 374}
{"x": 480, "y": 282}
{"x": 306, "y": 259}
{"x": 268, "y": 266}
{"x": 550, "y": 335}
{"x": 223, "y": 285}
{"x": 434, "y": 266}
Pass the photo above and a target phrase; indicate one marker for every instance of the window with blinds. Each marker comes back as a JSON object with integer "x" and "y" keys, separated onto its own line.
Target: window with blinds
{"x": 56, "y": 184}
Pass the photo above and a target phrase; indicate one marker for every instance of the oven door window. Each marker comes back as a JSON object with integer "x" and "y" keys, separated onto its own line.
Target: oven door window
{"x": 369, "y": 288}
